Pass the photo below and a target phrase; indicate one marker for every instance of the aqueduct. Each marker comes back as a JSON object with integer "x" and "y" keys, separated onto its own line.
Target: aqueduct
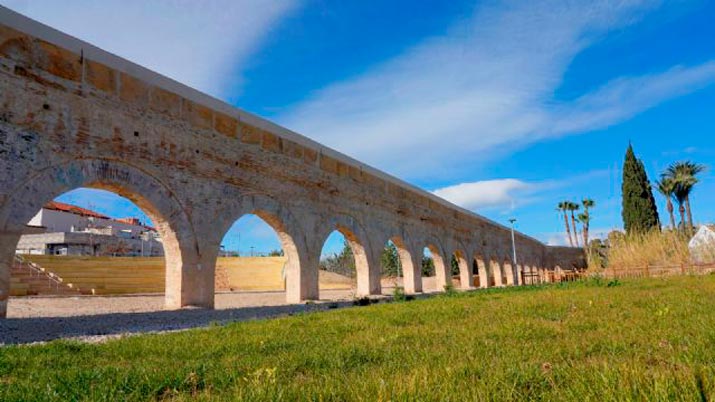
{"x": 72, "y": 115}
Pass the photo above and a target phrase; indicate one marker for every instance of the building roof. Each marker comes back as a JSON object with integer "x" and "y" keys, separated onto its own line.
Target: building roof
{"x": 73, "y": 209}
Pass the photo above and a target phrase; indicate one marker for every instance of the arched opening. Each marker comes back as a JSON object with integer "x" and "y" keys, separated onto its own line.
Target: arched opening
{"x": 462, "y": 270}
{"x": 257, "y": 253}
{"x": 343, "y": 266}
{"x": 481, "y": 272}
{"x": 434, "y": 270}
{"x": 183, "y": 262}
{"x": 398, "y": 269}
{"x": 101, "y": 239}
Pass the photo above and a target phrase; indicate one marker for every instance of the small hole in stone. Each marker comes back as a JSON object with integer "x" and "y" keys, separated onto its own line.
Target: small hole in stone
{"x": 46, "y": 106}
{"x": 136, "y": 133}
{"x": 197, "y": 151}
{"x": 236, "y": 163}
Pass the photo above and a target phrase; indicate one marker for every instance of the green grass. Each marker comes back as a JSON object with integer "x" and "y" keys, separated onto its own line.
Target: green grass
{"x": 639, "y": 340}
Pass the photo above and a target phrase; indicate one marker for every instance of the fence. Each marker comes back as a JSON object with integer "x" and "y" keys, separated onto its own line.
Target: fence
{"x": 655, "y": 271}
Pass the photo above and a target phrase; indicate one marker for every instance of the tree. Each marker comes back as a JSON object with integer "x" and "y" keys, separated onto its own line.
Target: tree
{"x": 572, "y": 208}
{"x": 684, "y": 174}
{"x": 562, "y": 208}
{"x": 275, "y": 253}
{"x": 454, "y": 265}
{"x": 390, "y": 260}
{"x": 666, "y": 187}
{"x": 640, "y": 213}
{"x": 342, "y": 263}
{"x": 427, "y": 266}
{"x": 585, "y": 218}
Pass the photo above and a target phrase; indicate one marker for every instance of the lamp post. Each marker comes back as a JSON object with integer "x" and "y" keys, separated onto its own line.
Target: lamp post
{"x": 513, "y": 247}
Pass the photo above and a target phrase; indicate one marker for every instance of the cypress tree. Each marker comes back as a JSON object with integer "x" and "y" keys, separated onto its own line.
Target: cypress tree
{"x": 640, "y": 213}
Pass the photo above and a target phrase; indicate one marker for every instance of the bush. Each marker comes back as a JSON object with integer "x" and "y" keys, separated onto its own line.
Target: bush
{"x": 398, "y": 294}
{"x": 651, "y": 248}
{"x": 449, "y": 290}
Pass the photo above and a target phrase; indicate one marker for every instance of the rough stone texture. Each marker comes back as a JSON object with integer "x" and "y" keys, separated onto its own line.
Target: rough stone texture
{"x": 74, "y": 116}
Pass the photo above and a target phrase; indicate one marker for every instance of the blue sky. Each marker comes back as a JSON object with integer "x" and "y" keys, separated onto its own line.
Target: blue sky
{"x": 504, "y": 108}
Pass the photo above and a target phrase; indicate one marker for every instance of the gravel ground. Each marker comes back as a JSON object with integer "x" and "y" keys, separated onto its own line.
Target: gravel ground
{"x": 98, "y": 318}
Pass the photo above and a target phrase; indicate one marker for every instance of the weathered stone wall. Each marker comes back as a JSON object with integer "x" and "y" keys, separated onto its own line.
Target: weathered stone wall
{"x": 72, "y": 115}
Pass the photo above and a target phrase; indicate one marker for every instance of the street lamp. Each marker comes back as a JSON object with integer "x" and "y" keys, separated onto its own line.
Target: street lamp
{"x": 513, "y": 245}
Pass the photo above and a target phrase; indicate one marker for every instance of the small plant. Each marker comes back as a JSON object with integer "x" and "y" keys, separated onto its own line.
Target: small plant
{"x": 398, "y": 294}
{"x": 449, "y": 290}
{"x": 613, "y": 283}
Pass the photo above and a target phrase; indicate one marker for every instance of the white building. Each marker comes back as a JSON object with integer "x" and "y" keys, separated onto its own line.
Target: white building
{"x": 702, "y": 245}
{"x": 64, "y": 229}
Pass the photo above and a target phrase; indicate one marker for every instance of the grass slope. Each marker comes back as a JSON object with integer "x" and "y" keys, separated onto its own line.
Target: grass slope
{"x": 642, "y": 340}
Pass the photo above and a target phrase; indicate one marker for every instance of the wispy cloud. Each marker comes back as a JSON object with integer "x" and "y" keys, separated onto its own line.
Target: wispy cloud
{"x": 510, "y": 193}
{"x": 562, "y": 238}
{"x": 485, "y": 89}
{"x": 199, "y": 43}
{"x": 500, "y": 193}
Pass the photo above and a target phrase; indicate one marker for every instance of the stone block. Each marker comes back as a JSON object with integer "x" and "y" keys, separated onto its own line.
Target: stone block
{"x": 163, "y": 101}
{"x": 271, "y": 142}
{"x": 59, "y": 62}
{"x": 310, "y": 156}
{"x": 328, "y": 164}
{"x": 199, "y": 116}
{"x": 250, "y": 134}
{"x": 101, "y": 77}
{"x": 225, "y": 124}
{"x": 292, "y": 149}
{"x": 133, "y": 90}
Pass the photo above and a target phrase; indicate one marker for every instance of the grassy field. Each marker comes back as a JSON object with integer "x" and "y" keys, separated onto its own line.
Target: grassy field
{"x": 593, "y": 341}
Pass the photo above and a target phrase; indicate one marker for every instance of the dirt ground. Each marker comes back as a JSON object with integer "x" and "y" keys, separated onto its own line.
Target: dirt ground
{"x": 97, "y": 318}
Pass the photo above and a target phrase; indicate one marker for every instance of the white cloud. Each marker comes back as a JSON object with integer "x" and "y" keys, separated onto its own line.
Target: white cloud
{"x": 199, "y": 43}
{"x": 484, "y": 89}
{"x": 562, "y": 238}
{"x": 509, "y": 193}
{"x": 485, "y": 194}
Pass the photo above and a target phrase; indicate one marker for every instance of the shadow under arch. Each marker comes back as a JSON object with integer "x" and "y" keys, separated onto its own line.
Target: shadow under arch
{"x": 181, "y": 248}
{"x": 290, "y": 234}
{"x": 368, "y": 277}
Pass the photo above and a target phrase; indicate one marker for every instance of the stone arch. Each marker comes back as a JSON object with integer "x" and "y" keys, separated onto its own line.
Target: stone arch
{"x": 368, "y": 275}
{"x": 183, "y": 253}
{"x": 300, "y": 283}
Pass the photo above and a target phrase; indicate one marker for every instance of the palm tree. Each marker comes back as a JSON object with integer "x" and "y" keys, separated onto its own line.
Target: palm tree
{"x": 684, "y": 174}
{"x": 666, "y": 186}
{"x": 585, "y": 218}
{"x": 562, "y": 208}
{"x": 679, "y": 195}
{"x": 573, "y": 207}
